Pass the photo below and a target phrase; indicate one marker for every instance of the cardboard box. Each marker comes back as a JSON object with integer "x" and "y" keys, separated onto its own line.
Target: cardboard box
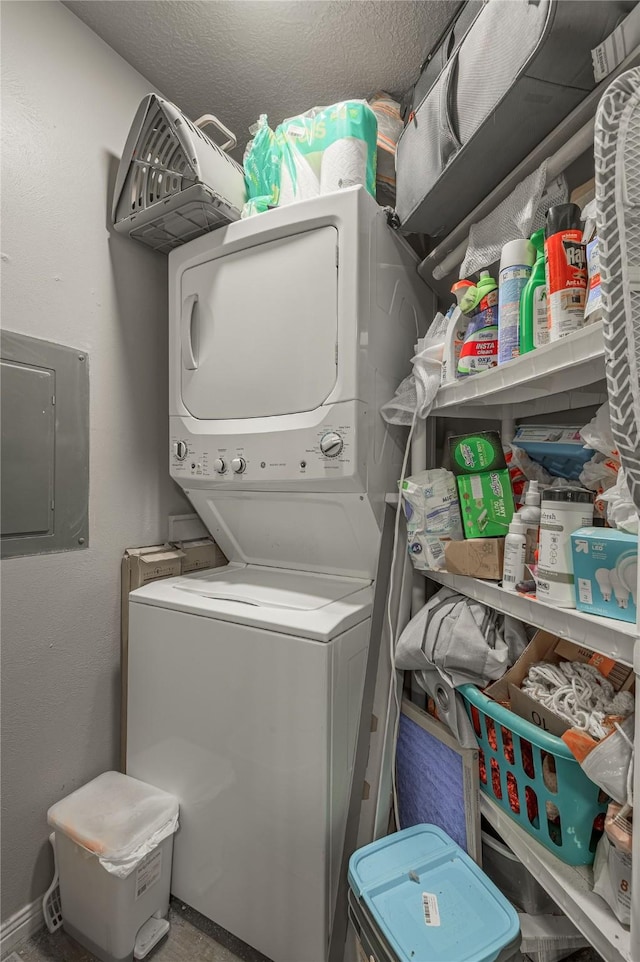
{"x": 620, "y": 676}
{"x": 199, "y": 554}
{"x": 475, "y": 557}
{"x": 484, "y": 485}
{"x": 605, "y": 566}
{"x": 545, "y": 646}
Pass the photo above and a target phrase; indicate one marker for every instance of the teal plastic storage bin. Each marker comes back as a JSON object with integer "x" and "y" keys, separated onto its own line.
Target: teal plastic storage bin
{"x": 416, "y": 896}
{"x": 535, "y": 779}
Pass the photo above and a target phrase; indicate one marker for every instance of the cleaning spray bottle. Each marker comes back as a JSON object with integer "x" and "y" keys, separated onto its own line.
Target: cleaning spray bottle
{"x": 529, "y": 514}
{"x": 566, "y": 263}
{"x": 534, "y": 327}
{"x": 456, "y": 330}
{"x": 480, "y": 346}
{"x": 516, "y": 262}
{"x": 514, "y": 553}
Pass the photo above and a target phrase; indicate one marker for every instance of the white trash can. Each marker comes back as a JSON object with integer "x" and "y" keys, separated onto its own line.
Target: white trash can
{"x": 114, "y": 844}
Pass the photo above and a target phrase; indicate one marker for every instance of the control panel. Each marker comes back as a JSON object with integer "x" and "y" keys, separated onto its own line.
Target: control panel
{"x": 325, "y": 451}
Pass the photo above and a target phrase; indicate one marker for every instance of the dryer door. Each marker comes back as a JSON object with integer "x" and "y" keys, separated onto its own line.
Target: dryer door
{"x": 259, "y": 328}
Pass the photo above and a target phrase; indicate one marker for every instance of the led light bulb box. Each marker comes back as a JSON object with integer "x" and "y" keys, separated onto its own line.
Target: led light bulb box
{"x": 605, "y": 564}
{"x": 484, "y": 486}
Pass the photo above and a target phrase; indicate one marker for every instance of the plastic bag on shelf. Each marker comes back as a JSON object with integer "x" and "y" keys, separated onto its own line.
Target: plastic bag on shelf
{"x": 416, "y": 393}
{"x": 608, "y": 762}
{"x": 612, "y": 865}
{"x": 600, "y": 473}
{"x": 523, "y": 469}
{"x": 597, "y": 433}
{"x": 621, "y": 511}
{"x": 430, "y": 501}
{"x": 262, "y": 161}
{"x": 390, "y": 125}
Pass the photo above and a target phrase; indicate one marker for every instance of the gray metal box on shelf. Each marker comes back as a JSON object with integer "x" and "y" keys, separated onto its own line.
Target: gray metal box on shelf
{"x": 174, "y": 183}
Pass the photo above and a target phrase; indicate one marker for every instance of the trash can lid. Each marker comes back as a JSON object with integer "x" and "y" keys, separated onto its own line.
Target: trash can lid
{"x": 113, "y": 815}
{"x": 430, "y": 900}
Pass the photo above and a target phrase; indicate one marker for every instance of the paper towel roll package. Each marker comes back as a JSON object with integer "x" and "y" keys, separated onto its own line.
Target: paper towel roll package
{"x": 327, "y": 149}
{"x": 298, "y": 181}
{"x": 344, "y": 164}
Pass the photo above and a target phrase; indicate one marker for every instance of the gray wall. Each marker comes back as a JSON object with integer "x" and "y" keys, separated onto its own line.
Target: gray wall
{"x": 67, "y": 102}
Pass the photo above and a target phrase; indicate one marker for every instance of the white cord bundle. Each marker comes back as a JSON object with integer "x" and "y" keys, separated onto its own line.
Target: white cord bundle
{"x": 578, "y": 693}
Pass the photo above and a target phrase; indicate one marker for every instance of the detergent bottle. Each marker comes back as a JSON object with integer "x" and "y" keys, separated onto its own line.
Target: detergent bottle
{"x": 534, "y": 326}
{"x": 480, "y": 346}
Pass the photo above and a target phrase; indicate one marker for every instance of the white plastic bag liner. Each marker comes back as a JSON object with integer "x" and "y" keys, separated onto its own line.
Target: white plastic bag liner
{"x": 415, "y": 395}
{"x": 117, "y": 818}
{"x": 621, "y": 511}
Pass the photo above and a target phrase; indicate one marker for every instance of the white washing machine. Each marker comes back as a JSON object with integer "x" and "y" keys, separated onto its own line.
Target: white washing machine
{"x": 245, "y": 699}
{"x": 288, "y": 331}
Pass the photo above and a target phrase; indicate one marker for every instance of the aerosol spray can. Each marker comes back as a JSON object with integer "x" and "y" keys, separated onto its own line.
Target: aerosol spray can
{"x": 566, "y": 269}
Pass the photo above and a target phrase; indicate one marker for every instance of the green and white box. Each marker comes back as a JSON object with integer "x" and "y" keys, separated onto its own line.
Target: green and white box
{"x": 484, "y": 485}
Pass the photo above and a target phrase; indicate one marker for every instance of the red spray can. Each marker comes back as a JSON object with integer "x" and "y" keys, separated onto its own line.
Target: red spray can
{"x": 566, "y": 267}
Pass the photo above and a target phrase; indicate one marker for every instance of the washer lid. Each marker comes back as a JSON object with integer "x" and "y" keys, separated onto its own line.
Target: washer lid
{"x": 272, "y": 587}
{"x": 313, "y": 605}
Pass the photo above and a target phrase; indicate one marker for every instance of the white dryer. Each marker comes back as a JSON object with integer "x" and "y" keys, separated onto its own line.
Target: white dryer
{"x": 288, "y": 331}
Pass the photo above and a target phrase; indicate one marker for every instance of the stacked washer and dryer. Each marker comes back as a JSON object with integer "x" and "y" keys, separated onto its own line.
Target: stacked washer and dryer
{"x": 288, "y": 331}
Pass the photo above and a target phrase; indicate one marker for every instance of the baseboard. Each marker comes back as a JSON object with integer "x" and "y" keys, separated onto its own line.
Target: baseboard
{"x": 20, "y": 926}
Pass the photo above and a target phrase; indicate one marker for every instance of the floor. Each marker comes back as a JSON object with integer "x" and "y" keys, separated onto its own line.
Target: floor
{"x": 192, "y": 938}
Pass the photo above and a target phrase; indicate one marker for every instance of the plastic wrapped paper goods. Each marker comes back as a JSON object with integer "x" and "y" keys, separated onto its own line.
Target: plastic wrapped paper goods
{"x": 262, "y": 159}
{"x": 390, "y": 125}
{"x": 318, "y": 152}
{"x": 433, "y": 516}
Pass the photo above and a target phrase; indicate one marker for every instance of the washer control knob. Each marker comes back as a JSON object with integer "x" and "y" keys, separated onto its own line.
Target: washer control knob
{"x": 180, "y": 450}
{"x": 219, "y": 466}
{"x": 331, "y": 444}
{"x": 238, "y": 465}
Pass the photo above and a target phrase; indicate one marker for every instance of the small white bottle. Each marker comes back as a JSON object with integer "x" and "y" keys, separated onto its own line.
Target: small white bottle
{"x": 529, "y": 514}
{"x": 454, "y": 337}
{"x": 514, "y": 548}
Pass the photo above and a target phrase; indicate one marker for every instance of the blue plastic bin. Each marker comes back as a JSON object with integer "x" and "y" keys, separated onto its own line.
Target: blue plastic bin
{"x": 416, "y": 896}
{"x": 521, "y": 761}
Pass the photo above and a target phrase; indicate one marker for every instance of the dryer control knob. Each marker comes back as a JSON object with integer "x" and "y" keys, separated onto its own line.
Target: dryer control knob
{"x": 331, "y": 444}
{"x": 238, "y": 465}
{"x": 180, "y": 450}
{"x": 219, "y": 466}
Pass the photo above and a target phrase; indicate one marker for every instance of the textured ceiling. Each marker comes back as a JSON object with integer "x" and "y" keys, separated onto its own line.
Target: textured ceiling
{"x": 240, "y": 58}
